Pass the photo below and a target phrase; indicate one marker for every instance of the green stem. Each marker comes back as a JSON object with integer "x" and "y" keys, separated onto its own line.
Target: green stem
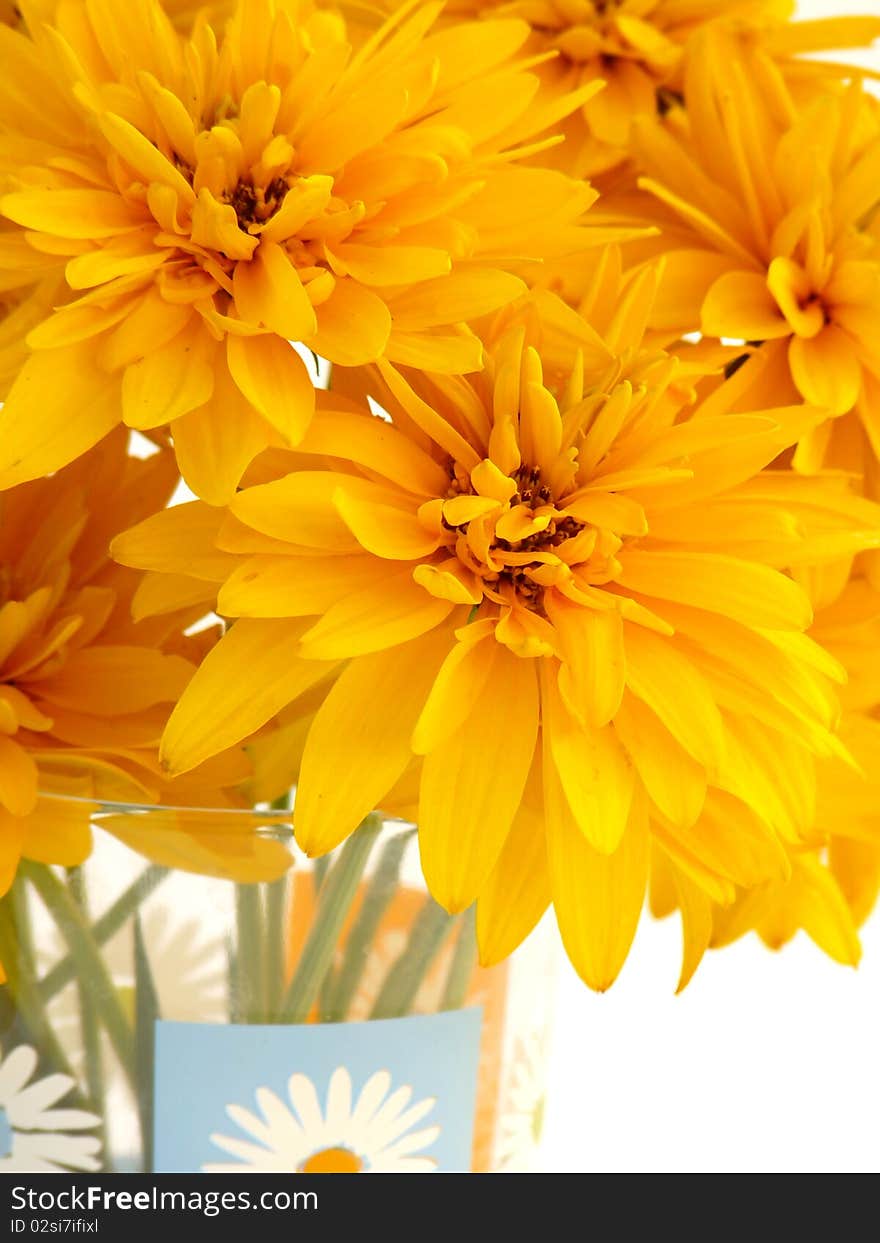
{"x": 377, "y": 899}
{"x": 21, "y": 988}
{"x": 463, "y": 961}
{"x": 431, "y": 927}
{"x": 234, "y": 991}
{"x": 23, "y": 931}
{"x": 89, "y": 1025}
{"x": 249, "y": 921}
{"x": 273, "y": 959}
{"x": 337, "y": 894}
{"x": 319, "y": 873}
{"x": 146, "y": 1009}
{"x": 90, "y": 966}
{"x": 105, "y": 927}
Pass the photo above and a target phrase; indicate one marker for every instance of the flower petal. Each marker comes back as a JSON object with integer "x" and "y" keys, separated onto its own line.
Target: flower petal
{"x": 391, "y": 611}
{"x": 274, "y": 379}
{"x": 675, "y": 782}
{"x": 594, "y": 771}
{"x": 597, "y": 897}
{"x": 517, "y": 891}
{"x": 460, "y": 682}
{"x": 114, "y": 680}
{"x": 268, "y": 291}
{"x": 696, "y": 924}
{"x": 216, "y": 444}
{"x": 61, "y": 404}
{"x": 18, "y": 778}
{"x": 280, "y": 586}
{"x": 181, "y": 540}
{"x": 250, "y": 675}
{"x": 739, "y": 304}
{"x": 672, "y": 688}
{"x": 359, "y": 743}
{"x": 169, "y": 382}
{"x": 351, "y": 303}
{"x": 384, "y": 530}
{"x": 742, "y": 590}
{"x": 473, "y": 782}
{"x": 87, "y": 214}
{"x": 826, "y": 369}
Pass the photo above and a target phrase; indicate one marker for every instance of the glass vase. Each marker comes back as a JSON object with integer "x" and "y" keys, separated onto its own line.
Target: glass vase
{"x": 198, "y": 996}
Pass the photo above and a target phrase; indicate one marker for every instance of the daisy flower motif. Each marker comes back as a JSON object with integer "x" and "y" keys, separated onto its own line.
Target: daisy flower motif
{"x": 36, "y": 1136}
{"x": 371, "y": 1135}
{"x": 188, "y": 967}
{"x": 522, "y": 1107}
{"x": 190, "y": 972}
{"x": 210, "y": 198}
{"x": 766, "y": 204}
{"x": 557, "y": 589}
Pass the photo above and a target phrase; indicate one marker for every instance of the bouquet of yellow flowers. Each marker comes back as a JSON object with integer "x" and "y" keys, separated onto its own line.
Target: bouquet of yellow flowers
{"x": 514, "y": 369}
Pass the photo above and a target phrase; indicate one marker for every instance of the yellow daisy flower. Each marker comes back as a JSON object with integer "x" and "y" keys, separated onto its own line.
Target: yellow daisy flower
{"x": 767, "y": 206}
{"x": 832, "y": 880}
{"x": 210, "y": 203}
{"x": 636, "y": 48}
{"x": 84, "y": 691}
{"x": 555, "y": 596}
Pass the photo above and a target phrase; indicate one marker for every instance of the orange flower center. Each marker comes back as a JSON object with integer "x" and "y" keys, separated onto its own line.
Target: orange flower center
{"x": 10, "y": 15}
{"x": 242, "y": 179}
{"x": 519, "y": 546}
{"x": 254, "y": 204}
{"x": 332, "y": 1161}
{"x": 586, "y": 31}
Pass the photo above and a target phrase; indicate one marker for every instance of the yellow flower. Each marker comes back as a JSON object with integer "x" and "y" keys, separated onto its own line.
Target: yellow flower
{"x": 84, "y": 691}
{"x": 636, "y": 48}
{"x": 833, "y": 880}
{"x": 207, "y": 205}
{"x": 551, "y": 594}
{"x": 767, "y": 206}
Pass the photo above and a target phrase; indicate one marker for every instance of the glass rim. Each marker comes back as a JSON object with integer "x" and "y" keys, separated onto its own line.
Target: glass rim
{"x": 105, "y": 806}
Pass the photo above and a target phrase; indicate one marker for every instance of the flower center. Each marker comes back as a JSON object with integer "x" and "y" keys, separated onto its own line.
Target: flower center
{"x": 255, "y": 204}
{"x": 6, "y": 1135}
{"x": 10, "y": 14}
{"x": 332, "y": 1161}
{"x": 798, "y": 298}
{"x": 509, "y": 531}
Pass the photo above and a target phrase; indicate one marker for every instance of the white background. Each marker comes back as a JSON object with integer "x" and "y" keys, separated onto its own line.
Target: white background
{"x": 767, "y": 1062}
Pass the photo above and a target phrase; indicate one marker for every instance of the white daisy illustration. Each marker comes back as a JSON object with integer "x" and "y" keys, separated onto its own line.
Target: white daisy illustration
{"x": 372, "y": 1135}
{"x": 189, "y": 972}
{"x": 34, "y": 1135}
{"x": 190, "y": 975}
{"x": 522, "y": 1110}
